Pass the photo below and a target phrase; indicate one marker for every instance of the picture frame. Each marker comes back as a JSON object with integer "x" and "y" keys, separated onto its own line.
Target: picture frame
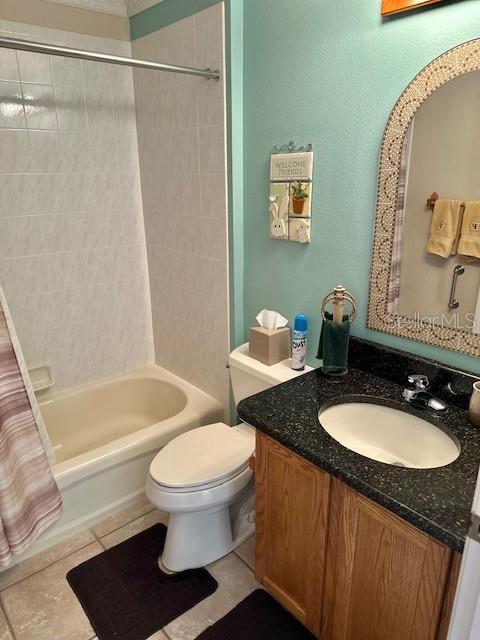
{"x": 390, "y": 7}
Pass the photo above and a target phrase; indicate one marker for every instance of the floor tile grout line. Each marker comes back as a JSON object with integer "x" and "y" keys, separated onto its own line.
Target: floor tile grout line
{"x": 252, "y": 569}
{"x": 125, "y": 524}
{"x": 166, "y": 634}
{"x": 47, "y": 566}
{"x": 9, "y": 624}
{"x": 62, "y": 557}
{"x": 99, "y": 540}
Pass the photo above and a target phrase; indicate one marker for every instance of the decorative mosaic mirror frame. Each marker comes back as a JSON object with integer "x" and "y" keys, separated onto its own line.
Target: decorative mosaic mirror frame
{"x": 453, "y": 63}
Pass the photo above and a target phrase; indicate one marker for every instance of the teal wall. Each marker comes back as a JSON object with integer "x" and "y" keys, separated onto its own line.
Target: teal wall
{"x": 329, "y": 73}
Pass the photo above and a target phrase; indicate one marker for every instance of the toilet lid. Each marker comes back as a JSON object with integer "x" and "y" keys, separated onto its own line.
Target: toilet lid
{"x": 202, "y": 456}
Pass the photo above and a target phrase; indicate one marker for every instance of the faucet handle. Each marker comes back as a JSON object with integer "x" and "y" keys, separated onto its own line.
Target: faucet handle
{"x": 418, "y": 381}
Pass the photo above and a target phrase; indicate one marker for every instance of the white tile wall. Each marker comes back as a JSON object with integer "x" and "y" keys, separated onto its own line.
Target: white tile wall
{"x": 72, "y": 241}
{"x": 181, "y": 131}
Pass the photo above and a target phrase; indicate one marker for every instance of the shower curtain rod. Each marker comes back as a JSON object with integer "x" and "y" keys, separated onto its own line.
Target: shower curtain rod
{"x": 67, "y": 52}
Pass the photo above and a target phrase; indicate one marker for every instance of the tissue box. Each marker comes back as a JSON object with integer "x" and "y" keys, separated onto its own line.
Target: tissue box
{"x": 269, "y": 345}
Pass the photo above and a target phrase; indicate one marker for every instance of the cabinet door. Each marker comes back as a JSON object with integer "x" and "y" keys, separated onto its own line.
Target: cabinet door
{"x": 292, "y": 503}
{"x": 384, "y": 578}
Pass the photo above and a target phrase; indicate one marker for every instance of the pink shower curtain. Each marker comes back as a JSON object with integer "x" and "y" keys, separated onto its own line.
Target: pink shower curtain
{"x": 29, "y": 497}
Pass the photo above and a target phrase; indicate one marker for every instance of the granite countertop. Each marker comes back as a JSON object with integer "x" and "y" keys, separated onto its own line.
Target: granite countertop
{"x": 437, "y": 501}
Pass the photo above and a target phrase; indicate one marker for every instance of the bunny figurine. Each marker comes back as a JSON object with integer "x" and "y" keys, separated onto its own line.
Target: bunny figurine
{"x": 277, "y": 225}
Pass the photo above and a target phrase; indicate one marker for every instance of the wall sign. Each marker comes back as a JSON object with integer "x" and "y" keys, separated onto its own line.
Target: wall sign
{"x": 291, "y": 193}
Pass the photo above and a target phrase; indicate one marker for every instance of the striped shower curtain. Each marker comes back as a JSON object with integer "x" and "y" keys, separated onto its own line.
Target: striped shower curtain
{"x": 29, "y": 498}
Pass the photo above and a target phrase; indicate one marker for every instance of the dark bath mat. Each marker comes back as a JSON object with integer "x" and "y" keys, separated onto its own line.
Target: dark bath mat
{"x": 127, "y": 597}
{"x": 258, "y": 617}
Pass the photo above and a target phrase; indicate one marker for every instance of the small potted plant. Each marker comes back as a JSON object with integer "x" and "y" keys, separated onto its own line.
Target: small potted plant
{"x": 299, "y": 195}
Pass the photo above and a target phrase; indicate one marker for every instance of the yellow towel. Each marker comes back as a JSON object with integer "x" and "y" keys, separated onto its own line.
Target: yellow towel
{"x": 469, "y": 244}
{"x": 445, "y": 228}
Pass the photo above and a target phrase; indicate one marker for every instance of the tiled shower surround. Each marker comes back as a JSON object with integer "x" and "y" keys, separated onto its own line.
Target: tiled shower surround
{"x": 73, "y": 260}
{"x": 181, "y": 133}
{"x": 72, "y": 247}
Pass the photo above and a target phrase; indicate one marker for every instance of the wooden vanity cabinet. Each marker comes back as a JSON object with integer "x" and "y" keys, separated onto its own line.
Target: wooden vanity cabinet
{"x": 292, "y": 501}
{"x": 344, "y": 566}
{"x": 384, "y": 578}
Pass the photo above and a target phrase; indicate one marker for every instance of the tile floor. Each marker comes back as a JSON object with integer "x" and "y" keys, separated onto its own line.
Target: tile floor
{"x": 36, "y": 602}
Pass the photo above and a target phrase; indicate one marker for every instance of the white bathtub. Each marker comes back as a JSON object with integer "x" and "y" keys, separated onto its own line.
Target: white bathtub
{"x": 105, "y": 436}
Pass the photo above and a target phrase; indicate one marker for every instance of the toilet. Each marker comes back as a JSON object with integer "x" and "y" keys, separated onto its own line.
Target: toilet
{"x": 203, "y": 479}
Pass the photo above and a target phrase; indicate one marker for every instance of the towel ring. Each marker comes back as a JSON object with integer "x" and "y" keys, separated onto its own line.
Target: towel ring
{"x": 339, "y": 294}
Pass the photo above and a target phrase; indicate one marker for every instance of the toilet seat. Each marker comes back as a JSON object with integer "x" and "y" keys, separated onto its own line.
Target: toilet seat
{"x": 203, "y": 458}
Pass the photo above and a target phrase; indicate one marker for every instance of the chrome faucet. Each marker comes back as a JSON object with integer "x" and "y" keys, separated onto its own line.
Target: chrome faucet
{"x": 417, "y": 394}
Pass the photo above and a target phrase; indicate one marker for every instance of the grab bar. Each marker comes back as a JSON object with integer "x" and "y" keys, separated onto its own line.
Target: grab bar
{"x": 453, "y": 303}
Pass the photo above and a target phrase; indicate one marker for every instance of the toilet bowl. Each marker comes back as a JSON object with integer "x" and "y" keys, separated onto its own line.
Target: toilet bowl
{"x": 203, "y": 480}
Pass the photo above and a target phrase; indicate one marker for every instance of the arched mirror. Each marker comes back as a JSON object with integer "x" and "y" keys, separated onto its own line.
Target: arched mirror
{"x": 425, "y": 278}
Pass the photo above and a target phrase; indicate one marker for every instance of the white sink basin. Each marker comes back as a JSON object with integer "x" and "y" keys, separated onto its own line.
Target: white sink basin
{"x": 389, "y": 435}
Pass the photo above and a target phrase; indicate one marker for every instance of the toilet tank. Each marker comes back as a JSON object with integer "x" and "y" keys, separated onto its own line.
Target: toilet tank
{"x": 249, "y": 376}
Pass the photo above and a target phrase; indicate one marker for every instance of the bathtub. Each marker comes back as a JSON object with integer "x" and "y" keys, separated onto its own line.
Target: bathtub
{"x": 105, "y": 435}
